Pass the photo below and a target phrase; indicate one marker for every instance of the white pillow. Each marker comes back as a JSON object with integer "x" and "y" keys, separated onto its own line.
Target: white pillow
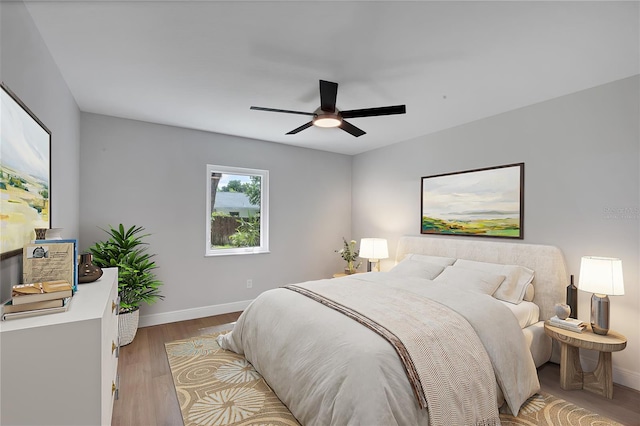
{"x": 437, "y": 260}
{"x": 471, "y": 280}
{"x": 414, "y": 268}
{"x": 514, "y": 286}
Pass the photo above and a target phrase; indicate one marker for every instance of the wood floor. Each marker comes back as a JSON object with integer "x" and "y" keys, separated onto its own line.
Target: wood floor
{"x": 147, "y": 396}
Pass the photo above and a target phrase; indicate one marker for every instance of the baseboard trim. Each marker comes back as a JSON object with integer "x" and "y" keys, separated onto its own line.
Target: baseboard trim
{"x": 193, "y": 313}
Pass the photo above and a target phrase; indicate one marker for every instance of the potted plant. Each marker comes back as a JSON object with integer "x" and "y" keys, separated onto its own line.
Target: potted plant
{"x": 137, "y": 283}
{"x": 349, "y": 253}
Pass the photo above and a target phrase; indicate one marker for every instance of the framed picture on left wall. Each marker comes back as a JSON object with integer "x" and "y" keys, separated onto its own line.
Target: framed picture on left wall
{"x": 25, "y": 174}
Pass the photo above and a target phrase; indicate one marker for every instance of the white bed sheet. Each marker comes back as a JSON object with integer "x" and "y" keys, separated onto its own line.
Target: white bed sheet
{"x": 527, "y": 313}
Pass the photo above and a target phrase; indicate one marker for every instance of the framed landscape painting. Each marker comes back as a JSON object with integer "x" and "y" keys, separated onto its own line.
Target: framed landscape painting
{"x": 25, "y": 174}
{"x": 485, "y": 202}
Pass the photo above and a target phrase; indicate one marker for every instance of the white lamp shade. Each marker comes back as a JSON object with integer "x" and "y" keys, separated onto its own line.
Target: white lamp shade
{"x": 601, "y": 275}
{"x": 374, "y": 248}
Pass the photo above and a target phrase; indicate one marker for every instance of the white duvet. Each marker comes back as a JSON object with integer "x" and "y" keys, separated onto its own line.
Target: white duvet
{"x": 330, "y": 370}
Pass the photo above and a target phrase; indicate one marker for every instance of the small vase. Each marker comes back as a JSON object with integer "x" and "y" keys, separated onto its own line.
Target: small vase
{"x": 87, "y": 271}
{"x": 41, "y": 233}
{"x": 349, "y": 270}
{"x": 562, "y": 310}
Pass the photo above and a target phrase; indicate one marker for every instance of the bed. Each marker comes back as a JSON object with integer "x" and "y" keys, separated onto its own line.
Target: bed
{"x": 428, "y": 342}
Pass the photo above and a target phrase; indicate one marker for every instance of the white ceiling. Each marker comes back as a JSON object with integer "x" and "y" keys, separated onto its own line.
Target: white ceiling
{"x": 202, "y": 64}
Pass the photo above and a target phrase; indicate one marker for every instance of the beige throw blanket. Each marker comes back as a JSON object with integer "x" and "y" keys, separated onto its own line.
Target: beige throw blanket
{"x": 446, "y": 364}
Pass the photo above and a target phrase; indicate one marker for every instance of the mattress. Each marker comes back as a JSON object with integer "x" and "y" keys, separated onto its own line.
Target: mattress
{"x": 528, "y": 316}
{"x": 540, "y": 345}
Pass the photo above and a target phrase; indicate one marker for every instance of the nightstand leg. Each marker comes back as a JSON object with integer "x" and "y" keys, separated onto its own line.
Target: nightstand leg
{"x": 570, "y": 368}
{"x": 600, "y": 381}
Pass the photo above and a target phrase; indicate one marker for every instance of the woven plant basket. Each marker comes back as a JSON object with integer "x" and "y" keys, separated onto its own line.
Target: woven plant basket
{"x": 128, "y": 326}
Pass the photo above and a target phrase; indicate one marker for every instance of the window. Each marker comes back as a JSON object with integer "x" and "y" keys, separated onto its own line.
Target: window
{"x": 237, "y": 211}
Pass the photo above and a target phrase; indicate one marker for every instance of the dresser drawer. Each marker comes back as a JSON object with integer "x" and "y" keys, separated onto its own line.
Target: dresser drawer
{"x": 110, "y": 353}
{"x": 79, "y": 343}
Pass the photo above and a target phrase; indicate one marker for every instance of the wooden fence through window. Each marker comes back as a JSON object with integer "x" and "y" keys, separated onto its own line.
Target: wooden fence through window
{"x": 222, "y": 228}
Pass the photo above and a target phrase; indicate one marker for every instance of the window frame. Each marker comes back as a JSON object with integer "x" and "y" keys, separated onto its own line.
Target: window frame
{"x": 264, "y": 211}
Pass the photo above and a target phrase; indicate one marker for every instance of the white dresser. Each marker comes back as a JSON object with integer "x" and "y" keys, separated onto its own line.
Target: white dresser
{"x": 61, "y": 369}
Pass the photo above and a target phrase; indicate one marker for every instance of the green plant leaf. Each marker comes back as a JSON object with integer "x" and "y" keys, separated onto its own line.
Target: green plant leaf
{"x": 126, "y": 250}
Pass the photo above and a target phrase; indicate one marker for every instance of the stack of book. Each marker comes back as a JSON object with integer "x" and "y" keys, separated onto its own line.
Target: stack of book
{"x": 571, "y": 324}
{"x": 34, "y": 299}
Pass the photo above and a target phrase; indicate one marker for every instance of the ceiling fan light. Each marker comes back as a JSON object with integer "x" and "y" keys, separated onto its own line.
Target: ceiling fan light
{"x": 327, "y": 121}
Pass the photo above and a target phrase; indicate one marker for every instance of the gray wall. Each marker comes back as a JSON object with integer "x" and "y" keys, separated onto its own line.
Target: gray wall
{"x": 27, "y": 68}
{"x": 155, "y": 176}
{"x": 581, "y": 155}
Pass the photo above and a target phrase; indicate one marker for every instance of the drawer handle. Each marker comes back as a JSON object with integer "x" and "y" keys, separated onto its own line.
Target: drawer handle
{"x": 113, "y": 306}
{"x": 113, "y": 387}
{"x": 117, "y": 391}
{"x": 113, "y": 347}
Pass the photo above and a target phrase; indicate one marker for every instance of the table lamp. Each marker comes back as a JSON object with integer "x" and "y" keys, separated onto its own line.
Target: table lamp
{"x": 601, "y": 276}
{"x": 374, "y": 249}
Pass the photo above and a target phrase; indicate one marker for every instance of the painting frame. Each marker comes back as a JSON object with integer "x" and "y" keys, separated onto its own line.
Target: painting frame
{"x": 25, "y": 174}
{"x": 484, "y": 202}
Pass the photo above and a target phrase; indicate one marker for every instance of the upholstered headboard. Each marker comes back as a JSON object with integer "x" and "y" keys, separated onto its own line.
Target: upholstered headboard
{"x": 550, "y": 279}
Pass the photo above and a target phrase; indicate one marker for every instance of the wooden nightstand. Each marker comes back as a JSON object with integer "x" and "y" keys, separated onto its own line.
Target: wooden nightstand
{"x": 572, "y": 376}
{"x": 342, "y": 274}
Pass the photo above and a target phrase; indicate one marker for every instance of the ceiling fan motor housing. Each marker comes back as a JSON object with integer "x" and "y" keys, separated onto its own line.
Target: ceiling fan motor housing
{"x": 327, "y": 119}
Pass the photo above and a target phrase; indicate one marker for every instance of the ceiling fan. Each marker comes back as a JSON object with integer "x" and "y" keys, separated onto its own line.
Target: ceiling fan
{"x": 327, "y": 115}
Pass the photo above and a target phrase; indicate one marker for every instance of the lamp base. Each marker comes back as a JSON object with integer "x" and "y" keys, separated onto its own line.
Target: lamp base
{"x": 600, "y": 314}
{"x": 374, "y": 265}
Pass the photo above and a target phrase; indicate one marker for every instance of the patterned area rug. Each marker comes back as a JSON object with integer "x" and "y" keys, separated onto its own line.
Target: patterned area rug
{"x": 218, "y": 387}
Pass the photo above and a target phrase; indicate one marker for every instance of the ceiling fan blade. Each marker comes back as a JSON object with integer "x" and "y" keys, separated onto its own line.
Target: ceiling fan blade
{"x": 287, "y": 111}
{"x": 371, "y": 112}
{"x": 328, "y": 95}
{"x": 301, "y": 128}
{"x": 350, "y": 128}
